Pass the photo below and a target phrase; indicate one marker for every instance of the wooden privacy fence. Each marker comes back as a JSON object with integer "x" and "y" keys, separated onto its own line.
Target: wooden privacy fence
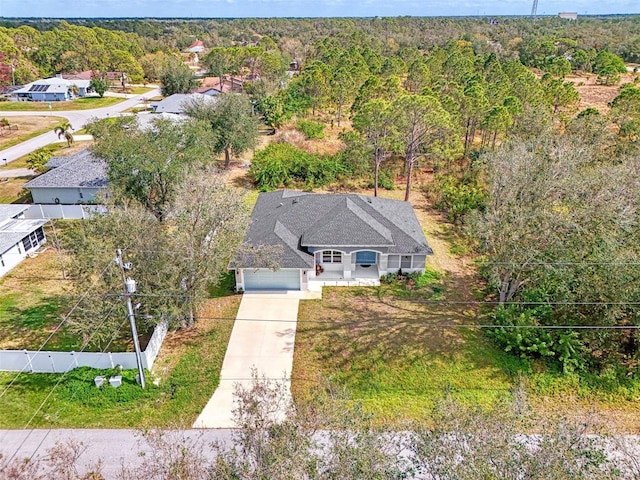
{"x": 60, "y": 362}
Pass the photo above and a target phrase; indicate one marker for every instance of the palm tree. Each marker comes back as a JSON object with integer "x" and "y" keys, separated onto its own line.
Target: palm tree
{"x": 64, "y": 130}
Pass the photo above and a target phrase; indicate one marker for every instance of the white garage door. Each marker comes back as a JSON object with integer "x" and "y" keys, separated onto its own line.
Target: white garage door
{"x": 265, "y": 279}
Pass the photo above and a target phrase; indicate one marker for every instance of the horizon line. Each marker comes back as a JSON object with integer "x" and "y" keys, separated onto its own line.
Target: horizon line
{"x": 484, "y": 15}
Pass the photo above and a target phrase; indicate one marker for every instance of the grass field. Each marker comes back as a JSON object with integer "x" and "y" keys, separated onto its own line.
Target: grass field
{"x": 399, "y": 350}
{"x": 86, "y": 103}
{"x": 28, "y": 127}
{"x": 31, "y": 305}
{"x": 186, "y": 372}
{"x": 12, "y": 191}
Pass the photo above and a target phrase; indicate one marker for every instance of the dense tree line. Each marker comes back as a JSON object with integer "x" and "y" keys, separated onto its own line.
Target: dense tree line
{"x": 44, "y": 47}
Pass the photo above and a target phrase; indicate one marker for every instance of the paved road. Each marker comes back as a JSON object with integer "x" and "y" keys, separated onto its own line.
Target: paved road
{"x": 113, "y": 447}
{"x": 77, "y": 119}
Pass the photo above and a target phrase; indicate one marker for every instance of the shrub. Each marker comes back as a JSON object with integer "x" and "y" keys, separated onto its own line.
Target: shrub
{"x": 457, "y": 197}
{"x": 517, "y": 334}
{"x": 312, "y": 130}
{"x": 281, "y": 164}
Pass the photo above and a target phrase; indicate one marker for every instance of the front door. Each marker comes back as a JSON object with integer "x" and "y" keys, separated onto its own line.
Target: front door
{"x": 366, "y": 258}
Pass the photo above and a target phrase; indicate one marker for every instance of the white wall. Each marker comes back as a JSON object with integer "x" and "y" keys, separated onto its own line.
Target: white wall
{"x": 11, "y": 258}
{"x": 60, "y": 362}
{"x": 66, "y": 196}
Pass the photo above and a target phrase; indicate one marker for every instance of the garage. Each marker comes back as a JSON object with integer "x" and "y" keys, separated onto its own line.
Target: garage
{"x": 266, "y": 279}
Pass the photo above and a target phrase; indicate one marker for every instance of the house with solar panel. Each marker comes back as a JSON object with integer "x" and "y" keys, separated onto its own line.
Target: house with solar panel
{"x": 54, "y": 89}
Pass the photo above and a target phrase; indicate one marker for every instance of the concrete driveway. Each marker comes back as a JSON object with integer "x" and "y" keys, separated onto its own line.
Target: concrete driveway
{"x": 263, "y": 338}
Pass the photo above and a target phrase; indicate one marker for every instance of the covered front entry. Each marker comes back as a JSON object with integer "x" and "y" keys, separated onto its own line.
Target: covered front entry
{"x": 366, "y": 257}
{"x": 267, "y": 279}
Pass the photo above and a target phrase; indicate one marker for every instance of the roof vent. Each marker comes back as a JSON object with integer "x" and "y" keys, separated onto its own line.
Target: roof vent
{"x": 369, "y": 200}
{"x": 279, "y": 205}
{"x": 295, "y": 200}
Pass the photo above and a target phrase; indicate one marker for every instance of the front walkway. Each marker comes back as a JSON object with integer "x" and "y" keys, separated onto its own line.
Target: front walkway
{"x": 263, "y": 338}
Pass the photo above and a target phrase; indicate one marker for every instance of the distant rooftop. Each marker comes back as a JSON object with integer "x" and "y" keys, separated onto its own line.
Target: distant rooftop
{"x": 79, "y": 170}
{"x": 176, "y": 103}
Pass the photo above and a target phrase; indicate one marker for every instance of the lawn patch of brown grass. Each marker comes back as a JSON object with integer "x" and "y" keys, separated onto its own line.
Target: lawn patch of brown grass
{"x": 28, "y": 127}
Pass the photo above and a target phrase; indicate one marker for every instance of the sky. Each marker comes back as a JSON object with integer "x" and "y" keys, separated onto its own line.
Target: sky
{"x": 304, "y": 8}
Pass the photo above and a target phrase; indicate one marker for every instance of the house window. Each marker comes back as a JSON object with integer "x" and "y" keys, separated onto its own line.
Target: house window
{"x": 40, "y": 235}
{"x": 393, "y": 262}
{"x": 406, "y": 261}
{"x": 419, "y": 261}
{"x": 331, "y": 256}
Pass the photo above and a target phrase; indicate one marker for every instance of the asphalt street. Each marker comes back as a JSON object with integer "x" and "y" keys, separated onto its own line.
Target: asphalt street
{"x": 114, "y": 448}
{"x": 77, "y": 119}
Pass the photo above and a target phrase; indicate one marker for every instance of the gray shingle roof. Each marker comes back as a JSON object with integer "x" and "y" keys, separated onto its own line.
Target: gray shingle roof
{"x": 177, "y": 102}
{"x": 8, "y": 211}
{"x": 12, "y": 231}
{"x": 79, "y": 170}
{"x": 296, "y": 220}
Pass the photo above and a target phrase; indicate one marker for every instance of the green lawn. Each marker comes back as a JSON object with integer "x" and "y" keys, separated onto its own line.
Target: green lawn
{"x": 187, "y": 370}
{"x": 139, "y": 90}
{"x": 390, "y": 353}
{"x": 31, "y": 305}
{"x": 85, "y": 103}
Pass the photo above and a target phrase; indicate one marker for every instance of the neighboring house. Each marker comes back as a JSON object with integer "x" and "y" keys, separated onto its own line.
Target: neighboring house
{"x": 331, "y": 239}
{"x": 74, "y": 179}
{"x": 84, "y": 75}
{"x": 19, "y": 237}
{"x": 175, "y": 104}
{"x": 54, "y": 89}
{"x": 196, "y": 47}
{"x": 228, "y": 84}
{"x": 568, "y": 15}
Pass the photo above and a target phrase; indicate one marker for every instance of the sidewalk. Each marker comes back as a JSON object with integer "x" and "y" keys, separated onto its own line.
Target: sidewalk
{"x": 263, "y": 337}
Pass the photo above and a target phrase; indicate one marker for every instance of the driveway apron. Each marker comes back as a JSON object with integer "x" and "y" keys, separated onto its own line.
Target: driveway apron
{"x": 262, "y": 338}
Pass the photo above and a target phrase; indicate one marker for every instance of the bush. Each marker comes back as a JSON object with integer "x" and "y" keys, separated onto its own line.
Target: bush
{"x": 518, "y": 335}
{"x": 386, "y": 179}
{"x": 457, "y": 197}
{"x": 281, "y": 164}
{"x": 312, "y": 130}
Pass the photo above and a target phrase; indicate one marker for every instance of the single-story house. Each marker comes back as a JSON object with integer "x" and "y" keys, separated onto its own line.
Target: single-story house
{"x": 19, "y": 236}
{"x": 54, "y": 89}
{"x": 175, "y": 104}
{"x": 196, "y": 47}
{"x": 330, "y": 239}
{"x": 74, "y": 179}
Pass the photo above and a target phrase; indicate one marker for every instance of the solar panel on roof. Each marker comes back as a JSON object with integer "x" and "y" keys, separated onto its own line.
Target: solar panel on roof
{"x": 39, "y": 88}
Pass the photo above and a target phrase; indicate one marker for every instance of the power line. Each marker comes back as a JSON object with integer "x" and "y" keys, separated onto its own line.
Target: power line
{"x": 62, "y": 377}
{"x": 64, "y": 320}
{"x": 104, "y": 350}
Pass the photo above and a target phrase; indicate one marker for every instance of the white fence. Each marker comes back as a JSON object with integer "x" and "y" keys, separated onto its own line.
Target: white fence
{"x": 60, "y": 362}
{"x": 71, "y": 212}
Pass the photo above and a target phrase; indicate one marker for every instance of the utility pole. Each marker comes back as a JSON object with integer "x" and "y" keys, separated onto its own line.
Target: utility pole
{"x": 129, "y": 289}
